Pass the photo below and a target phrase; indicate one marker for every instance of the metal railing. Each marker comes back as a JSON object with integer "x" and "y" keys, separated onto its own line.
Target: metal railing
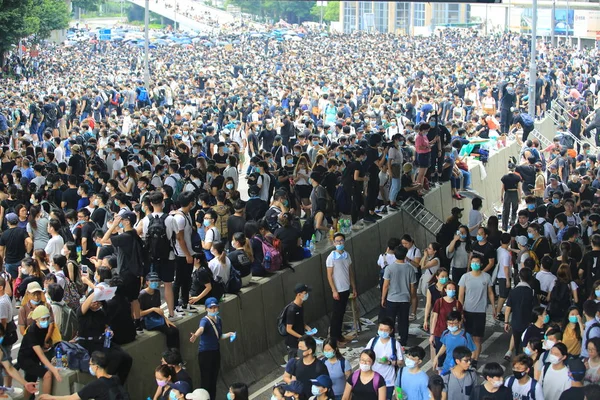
{"x": 422, "y": 215}
{"x": 559, "y": 113}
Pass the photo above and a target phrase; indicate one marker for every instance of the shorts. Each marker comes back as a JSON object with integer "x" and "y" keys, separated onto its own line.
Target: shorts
{"x": 131, "y": 287}
{"x": 423, "y": 160}
{"x": 475, "y": 323}
{"x": 502, "y": 289}
{"x": 33, "y": 370}
{"x": 166, "y": 271}
{"x": 303, "y": 191}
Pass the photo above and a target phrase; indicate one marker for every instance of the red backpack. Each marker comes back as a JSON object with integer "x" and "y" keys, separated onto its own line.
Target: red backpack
{"x": 272, "y": 258}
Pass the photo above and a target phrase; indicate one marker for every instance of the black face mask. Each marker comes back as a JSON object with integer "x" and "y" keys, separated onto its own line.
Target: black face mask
{"x": 519, "y": 374}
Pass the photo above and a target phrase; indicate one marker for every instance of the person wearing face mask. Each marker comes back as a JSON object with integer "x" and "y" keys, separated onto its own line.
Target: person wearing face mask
{"x": 338, "y": 367}
{"x": 493, "y": 385}
{"x": 152, "y": 315}
{"x": 210, "y": 332}
{"x": 435, "y": 291}
{"x": 237, "y": 391}
{"x": 475, "y": 290}
{"x": 388, "y": 352}
{"x": 461, "y": 380}
{"x": 555, "y": 374}
{"x": 340, "y": 276}
{"x": 179, "y": 390}
{"x": 164, "y": 375}
{"x": 591, "y": 326}
{"x": 294, "y": 319}
{"x": 321, "y": 388}
{"x": 412, "y": 382}
{"x": 521, "y": 384}
{"x": 510, "y": 195}
{"x": 31, "y": 357}
{"x": 172, "y": 358}
{"x": 459, "y": 250}
{"x": 453, "y": 337}
{"x": 365, "y": 383}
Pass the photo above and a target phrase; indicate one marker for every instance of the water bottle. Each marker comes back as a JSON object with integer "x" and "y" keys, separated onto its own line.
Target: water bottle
{"x": 59, "y": 361}
{"x": 78, "y": 253}
{"x": 312, "y": 244}
{"x": 107, "y": 339}
{"x": 268, "y": 260}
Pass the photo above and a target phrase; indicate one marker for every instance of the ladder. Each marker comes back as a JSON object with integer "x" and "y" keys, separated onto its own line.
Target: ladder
{"x": 422, "y": 215}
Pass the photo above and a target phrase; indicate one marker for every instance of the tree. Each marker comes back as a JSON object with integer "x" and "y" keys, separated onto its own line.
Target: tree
{"x": 52, "y": 15}
{"x": 88, "y": 5}
{"x": 290, "y": 11}
{"x": 17, "y": 20}
{"x": 331, "y": 12}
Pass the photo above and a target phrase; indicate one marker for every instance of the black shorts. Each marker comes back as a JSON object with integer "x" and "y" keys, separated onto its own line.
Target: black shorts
{"x": 166, "y": 271}
{"x": 131, "y": 286}
{"x": 502, "y": 289}
{"x": 33, "y": 370}
{"x": 475, "y": 323}
{"x": 424, "y": 160}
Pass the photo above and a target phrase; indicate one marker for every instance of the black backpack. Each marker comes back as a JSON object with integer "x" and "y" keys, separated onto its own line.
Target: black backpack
{"x": 52, "y": 113}
{"x": 560, "y": 300}
{"x": 281, "y": 321}
{"x": 157, "y": 241}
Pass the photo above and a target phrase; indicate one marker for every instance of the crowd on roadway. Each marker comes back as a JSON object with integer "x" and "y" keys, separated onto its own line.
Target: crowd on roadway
{"x": 234, "y": 163}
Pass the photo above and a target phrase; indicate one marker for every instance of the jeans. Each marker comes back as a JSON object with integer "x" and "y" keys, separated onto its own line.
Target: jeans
{"x": 466, "y": 179}
{"x": 210, "y": 364}
{"x": 394, "y": 189}
{"x": 454, "y": 182}
{"x": 183, "y": 281}
{"x": 510, "y": 205}
{"x": 399, "y": 313}
{"x": 337, "y": 315}
{"x": 12, "y": 269}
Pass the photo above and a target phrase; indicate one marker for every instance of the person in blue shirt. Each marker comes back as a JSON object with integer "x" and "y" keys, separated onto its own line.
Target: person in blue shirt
{"x": 411, "y": 380}
{"x": 451, "y": 338}
{"x": 210, "y": 332}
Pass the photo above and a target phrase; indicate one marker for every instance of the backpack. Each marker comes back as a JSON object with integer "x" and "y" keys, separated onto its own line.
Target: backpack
{"x": 234, "y": 284}
{"x": 393, "y": 342}
{"x": 143, "y": 95}
{"x": 223, "y": 215}
{"x": 342, "y": 200}
{"x": 533, "y": 255}
{"x": 527, "y": 120}
{"x": 587, "y": 334}
{"x": 52, "y": 113}
{"x": 382, "y": 271}
{"x": 71, "y": 296}
{"x": 560, "y": 300}
{"x": 108, "y": 215}
{"x": 281, "y": 322}
{"x": 69, "y": 324}
{"x": 531, "y": 393}
{"x": 78, "y": 358}
{"x": 179, "y": 185}
{"x": 376, "y": 379}
{"x": 157, "y": 240}
{"x": 272, "y": 252}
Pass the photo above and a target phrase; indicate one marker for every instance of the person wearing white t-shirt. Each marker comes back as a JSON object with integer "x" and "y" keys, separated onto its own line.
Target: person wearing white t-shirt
{"x": 386, "y": 358}
{"x": 413, "y": 257}
{"x": 184, "y": 260}
{"x": 555, "y": 377}
{"x": 521, "y": 384}
{"x": 56, "y": 242}
{"x": 504, "y": 258}
{"x": 544, "y": 276}
{"x": 388, "y": 257}
{"x": 220, "y": 265}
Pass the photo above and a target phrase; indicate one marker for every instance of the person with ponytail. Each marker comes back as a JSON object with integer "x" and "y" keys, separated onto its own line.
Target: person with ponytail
{"x": 321, "y": 388}
{"x": 29, "y": 272}
{"x": 164, "y": 375}
{"x": 338, "y": 367}
{"x": 241, "y": 257}
{"x": 220, "y": 264}
{"x": 204, "y": 284}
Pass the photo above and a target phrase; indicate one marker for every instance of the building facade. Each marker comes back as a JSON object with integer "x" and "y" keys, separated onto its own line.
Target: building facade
{"x": 401, "y": 17}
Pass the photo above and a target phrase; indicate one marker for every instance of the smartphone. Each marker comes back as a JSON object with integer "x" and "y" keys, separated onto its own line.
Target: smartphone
{"x": 84, "y": 269}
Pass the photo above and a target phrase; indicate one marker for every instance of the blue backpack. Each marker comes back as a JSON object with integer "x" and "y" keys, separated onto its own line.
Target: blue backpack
{"x": 527, "y": 120}
{"x": 143, "y": 96}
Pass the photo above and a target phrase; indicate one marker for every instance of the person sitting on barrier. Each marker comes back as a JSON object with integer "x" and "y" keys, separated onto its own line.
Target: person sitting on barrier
{"x": 31, "y": 357}
{"x": 105, "y": 387}
{"x": 93, "y": 326}
{"x": 172, "y": 358}
{"x": 33, "y": 298}
{"x": 165, "y": 375}
{"x": 153, "y": 316}
{"x": 6, "y": 362}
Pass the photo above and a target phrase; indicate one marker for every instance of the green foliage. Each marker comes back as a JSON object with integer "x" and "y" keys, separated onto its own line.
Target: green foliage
{"x": 88, "y": 5}
{"x": 52, "y": 15}
{"x": 290, "y": 11}
{"x": 331, "y": 12}
{"x": 17, "y": 20}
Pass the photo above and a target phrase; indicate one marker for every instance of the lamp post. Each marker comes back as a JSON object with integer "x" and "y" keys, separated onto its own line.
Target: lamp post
{"x": 146, "y": 42}
{"x": 532, "y": 62}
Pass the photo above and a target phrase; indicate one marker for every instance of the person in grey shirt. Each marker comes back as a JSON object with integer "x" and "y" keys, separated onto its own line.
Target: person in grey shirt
{"x": 399, "y": 287}
{"x": 460, "y": 382}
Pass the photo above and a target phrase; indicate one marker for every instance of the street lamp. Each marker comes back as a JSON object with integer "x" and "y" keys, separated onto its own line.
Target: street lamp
{"x": 532, "y": 64}
{"x": 146, "y": 41}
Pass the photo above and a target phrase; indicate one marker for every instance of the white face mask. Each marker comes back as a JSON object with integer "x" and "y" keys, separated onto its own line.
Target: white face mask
{"x": 62, "y": 252}
{"x": 498, "y": 383}
{"x": 365, "y": 367}
{"x": 548, "y": 344}
{"x": 553, "y": 359}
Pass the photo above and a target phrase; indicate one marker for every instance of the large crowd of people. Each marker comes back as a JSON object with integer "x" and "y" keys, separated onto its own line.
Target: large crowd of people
{"x": 235, "y": 161}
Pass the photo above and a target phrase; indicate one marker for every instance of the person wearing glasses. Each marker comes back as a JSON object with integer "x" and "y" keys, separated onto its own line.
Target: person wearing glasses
{"x": 106, "y": 386}
{"x": 341, "y": 281}
{"x": 459, "y": 383}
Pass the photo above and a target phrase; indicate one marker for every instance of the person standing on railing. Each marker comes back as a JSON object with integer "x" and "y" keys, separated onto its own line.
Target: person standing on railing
{"x": 593, "y": 122}
{"x": 523, "y": 120}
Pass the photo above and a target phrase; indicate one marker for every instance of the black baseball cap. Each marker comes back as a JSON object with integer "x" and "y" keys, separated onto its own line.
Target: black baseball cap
{"x": 301, "y": 287}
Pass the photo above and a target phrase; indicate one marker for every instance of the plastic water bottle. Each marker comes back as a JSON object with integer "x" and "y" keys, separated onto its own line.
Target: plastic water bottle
{"x": 312, "y": 244}
{"x": 78, "y": 253}
{"x": 59, "y": 363}
{"x": 331, "y": 233}
{"x": 268, "y": 260}
{"x": 107, "y": 339}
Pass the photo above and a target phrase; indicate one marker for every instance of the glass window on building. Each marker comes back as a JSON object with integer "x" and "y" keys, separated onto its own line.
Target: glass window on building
{"x": 365, "y": 12}
{"x": 403, "y": 16}
{"x": 381, "y": 17}
{"x": 419, "y": 14}
{"x": 349, "y": 16}
{"x": 444, "y": 14}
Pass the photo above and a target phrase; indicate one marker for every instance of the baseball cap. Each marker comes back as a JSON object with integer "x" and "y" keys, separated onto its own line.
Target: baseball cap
{"x": 522, "y": 240}
{"x": 211, "y": 302}
{"x": 40, "y": 311}
{"x": 294, "y": 387}
{"x": 33, "y": 287}
{"x": 177, "y": 137}
{"x": 181, "y": 386}
{"x": 301, "y": 287}
{"x": 12, "y": 218}
{"x": 407, "y": 167}
{"x": 456, "y": 210}
{"x": 322, "y": 381}
{"x": 128, "y": 215}
{"x": 198, "y": 394}
{"x": 152, "y": 276}
{"x": 576, "y": 368}
{"x": 554, "y": 176}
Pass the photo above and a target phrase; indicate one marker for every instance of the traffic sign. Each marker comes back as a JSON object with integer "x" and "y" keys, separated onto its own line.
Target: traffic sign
{"x": 105, "y": 34}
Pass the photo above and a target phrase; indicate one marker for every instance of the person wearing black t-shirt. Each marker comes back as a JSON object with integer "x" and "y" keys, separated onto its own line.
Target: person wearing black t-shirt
{"x": 520, "y": 228}
{"x": 576, "y": 374}
{"x": 511, "y": 196}
{"x": 527, "y": 173}
{"x": 294, "y": 319}
{"x": 105, "y": 387}
{"x": 540, "y": 245}
{"x": 306, "y": 366}
{"x": 235, "y": 222}
{"x": 172, "y": 358}
{"x": 484, "y": 250}
{"x": 203, "y": 284}
{"x": 241, "y": 257}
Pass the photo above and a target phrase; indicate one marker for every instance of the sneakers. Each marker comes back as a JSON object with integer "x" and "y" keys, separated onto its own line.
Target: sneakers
{"x": 384, "y": 210}
{"x": 412, "y": 317}
{"x": 377, "y": 217}
{"x": 175, "y": 317}
{"x": 138, "y": 326}
{"x": 394, "y": 207}
{"x": 508, "y": 355}
{"x": 185, "y": 309}
{"x": 500, "y": 317}
{"x": 369, "y": 218}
